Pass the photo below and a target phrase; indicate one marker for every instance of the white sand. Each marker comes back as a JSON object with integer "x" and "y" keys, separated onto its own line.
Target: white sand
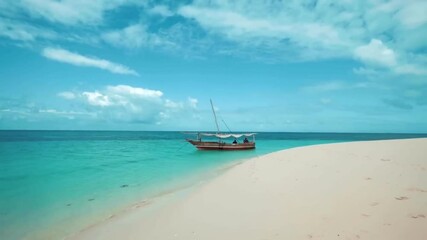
{"x": 361, "y": 190}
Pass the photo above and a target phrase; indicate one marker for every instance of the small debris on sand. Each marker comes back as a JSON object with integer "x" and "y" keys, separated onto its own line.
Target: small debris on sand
{"x": 401, "y": 198}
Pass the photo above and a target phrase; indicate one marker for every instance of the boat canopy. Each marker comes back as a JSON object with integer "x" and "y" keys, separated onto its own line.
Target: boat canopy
{"x": 224, "y": 135}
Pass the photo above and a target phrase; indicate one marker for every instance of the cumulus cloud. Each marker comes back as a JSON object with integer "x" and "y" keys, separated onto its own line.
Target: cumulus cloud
{"x": 62, "y": 55}
{"x": 124, "y": 103}
{"x": 123, "y": 96}
{"x": 376, "y": 53}
{"x": 97, "y": 99}
{"x": 413, "y": 14}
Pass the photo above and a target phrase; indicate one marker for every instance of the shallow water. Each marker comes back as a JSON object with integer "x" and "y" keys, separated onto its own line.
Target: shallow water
{"x": 57, "y": 182}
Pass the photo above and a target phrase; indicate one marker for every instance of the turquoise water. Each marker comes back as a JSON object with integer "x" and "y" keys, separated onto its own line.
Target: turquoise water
{"x": 53, "y": 183}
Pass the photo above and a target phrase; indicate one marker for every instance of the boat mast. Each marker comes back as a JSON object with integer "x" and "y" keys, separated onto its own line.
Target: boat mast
{"x": 216, "y": 121}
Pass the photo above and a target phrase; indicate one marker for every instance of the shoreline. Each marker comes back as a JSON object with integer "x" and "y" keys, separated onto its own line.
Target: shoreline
{"x": 169, "y": 193}
{"x": 158, "y": 199}
{"x": 188, "y": 185}
{"x": 132, "y": 221}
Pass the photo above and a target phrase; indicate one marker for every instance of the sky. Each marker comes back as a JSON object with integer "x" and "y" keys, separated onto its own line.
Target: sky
{"x": 291, "y": 66}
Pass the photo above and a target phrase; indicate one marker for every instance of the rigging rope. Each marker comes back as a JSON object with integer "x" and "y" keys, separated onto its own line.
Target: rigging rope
{"x": 226, "y": 125}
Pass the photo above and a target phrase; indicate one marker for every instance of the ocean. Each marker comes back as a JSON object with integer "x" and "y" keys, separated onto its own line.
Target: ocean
{"x": 54, "y": 183}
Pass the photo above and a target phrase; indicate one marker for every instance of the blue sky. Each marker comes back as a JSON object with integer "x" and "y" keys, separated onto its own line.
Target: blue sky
{"x": 318, "y": 66}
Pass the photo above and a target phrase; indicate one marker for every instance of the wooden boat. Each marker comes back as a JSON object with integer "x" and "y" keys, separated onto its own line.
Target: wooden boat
{"x": 220, "y": 144}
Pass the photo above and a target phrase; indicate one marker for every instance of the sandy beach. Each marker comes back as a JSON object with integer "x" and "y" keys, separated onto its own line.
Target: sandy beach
{"x": 358, "y": 190}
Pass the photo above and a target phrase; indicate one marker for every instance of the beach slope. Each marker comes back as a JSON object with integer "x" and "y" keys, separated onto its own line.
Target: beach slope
{"x": 358, "y": 190}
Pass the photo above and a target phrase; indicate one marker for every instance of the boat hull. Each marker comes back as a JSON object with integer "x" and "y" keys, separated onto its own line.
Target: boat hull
{"x": 221, "y": 145}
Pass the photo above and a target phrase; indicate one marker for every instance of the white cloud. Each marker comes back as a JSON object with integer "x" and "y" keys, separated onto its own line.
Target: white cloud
{"x": 134, "y": 36}
{"x": 67, "y": 114}
{"x": 325, "y": 87}
{"x": 413, "y": 14}
{"x": 193, "y": 102}
{"x": 66, "y": 56}
{"x": 173, "y": 105}
{"x": 123, "y": 103}
{"x": 67, "y": 95}
{"x": 411, "y": 69}
{"x": 162, "y": 10}
{"x": 276, "y": 32}
{"x": 126, "y": 104}
{"x": 289, "y": 30}
{"x": 23, "y": 32}
{"x": 70, "y": 12}
{"x": 376, "y": 53}
{"x": 313, "y": 30}
{"x": 335, "y": 86}
{"x": 263, "y": 30}
{"x": 97, "y": 99}
{"x": 135, "y": 92}
{"x": 122, "y": 95}
{"x": 366, "y": 71}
